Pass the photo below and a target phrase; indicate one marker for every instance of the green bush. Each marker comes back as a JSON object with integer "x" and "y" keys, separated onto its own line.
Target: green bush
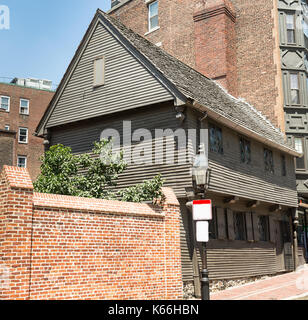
{"x": 91, "y": 176}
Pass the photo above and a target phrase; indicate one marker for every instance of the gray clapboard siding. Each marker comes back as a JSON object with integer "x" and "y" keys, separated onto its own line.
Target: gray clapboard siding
{"x": 128, "y": 84}
{"x": 251, "y": 181}
{"x": 80, "y": 138}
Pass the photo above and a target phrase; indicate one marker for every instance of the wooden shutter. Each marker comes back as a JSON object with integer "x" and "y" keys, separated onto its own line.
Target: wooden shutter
{"x": 249, "y": 226}
{"x": 221, "y": 223}
{"x": 231, "y": 225}
{"x": 272, "y": 228}
{"x": 255, "y": 227}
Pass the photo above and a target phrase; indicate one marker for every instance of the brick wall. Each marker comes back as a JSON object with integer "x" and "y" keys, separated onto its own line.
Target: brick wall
{"x": 39, "y": 100}
{"x": 60, "y": 247}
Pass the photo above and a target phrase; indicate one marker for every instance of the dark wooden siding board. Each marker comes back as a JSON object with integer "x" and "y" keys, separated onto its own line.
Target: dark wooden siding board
{"x": 127, "y": 83}
{"x": 80, "y": 138}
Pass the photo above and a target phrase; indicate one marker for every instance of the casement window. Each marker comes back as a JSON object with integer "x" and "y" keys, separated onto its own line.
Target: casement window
{"x": 216, "y": 142}
{"x": 245, "y": 151}
{"x": 283, "y": 165}
{"x": 99, "y": 72}
{"x": 263, "y": 228}
{"x": 153, "y": 15}
{"x": 240, "y": 232}
{"x": 23, "y": 135}
{"x": 299, "y": 145}
{"x": 5, "y": 103}
{"x": 290, "y": 23}
{"x": 22, "y": 161}
{"x": 268, "y": 160}
{"x": 294, "y": 87}
{"x": 213, "y": 225}
{"x": 7, "y": 128}
{"x": 24, "y": 106}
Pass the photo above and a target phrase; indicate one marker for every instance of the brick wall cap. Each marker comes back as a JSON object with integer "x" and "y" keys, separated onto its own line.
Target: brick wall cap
{"x": 17, "y": 177}
{"x": 52, "y": 201}
{"x": 218, "y": 7}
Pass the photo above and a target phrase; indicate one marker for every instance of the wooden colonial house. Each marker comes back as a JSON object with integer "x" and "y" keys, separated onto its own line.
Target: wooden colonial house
{"x": 115, "y": 76}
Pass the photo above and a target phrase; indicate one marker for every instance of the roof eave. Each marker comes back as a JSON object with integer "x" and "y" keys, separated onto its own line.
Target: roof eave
{"x": 245, "y": 131}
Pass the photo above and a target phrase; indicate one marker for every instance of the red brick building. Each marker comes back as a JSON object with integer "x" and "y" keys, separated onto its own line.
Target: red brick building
{"x": 21, "y": 108}
{"x": 232, "y": 41}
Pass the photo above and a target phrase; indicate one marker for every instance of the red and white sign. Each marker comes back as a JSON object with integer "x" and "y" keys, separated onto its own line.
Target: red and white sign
{"x": 202, "y": 210}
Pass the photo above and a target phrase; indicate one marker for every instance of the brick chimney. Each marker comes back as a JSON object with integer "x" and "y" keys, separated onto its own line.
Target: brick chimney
{"x": 215, "y": 43}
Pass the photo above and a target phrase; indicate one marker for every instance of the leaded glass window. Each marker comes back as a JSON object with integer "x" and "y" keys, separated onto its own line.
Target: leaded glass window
{"x": 283, "y": 166}
{"x": 216, "y": 143}
{"x": 263, "y": 227}
{"x": 240, "y": 226}
{"x": 268, "y": 161}
{"x": 245, "y": 151}
{"x": 213, "y": 227}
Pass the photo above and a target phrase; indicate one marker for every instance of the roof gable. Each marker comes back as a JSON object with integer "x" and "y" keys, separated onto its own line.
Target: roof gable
{"x": 128, "y": 82}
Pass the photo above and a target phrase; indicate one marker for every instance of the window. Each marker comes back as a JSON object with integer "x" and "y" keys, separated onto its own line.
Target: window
{"x": 22, "y": 161}
{"x": 24, "y": 106}
{"x": 245, "y": 151}
{"x": 153, "y": 15}
{"x": 240, "y": 226}
{"x": 268, "y": 161}
{"x": 263, "y": 227}
{"x": 216, "y": 144}
{"x": 213, "y": 227}
{"x": 299, "y": 147}
{"x": 7, "y": 128}
{"x": 226, "y": 223}
{"x": 294, "y": 86}
{"x": 23, "y": 135}
{"x": 5, "y": 103}
{"x": 283, "y": 166}
{"x": 99, "y": 72}
{"x": 290, "y": 28}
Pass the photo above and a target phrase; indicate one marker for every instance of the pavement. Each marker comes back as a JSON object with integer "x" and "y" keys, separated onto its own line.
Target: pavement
{"x": 289, "y": 286}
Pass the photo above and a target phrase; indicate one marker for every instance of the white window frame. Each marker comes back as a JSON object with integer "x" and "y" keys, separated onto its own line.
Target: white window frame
{"x": 27, "y": 136}
{"x": 149, "y": 16}
{"x": 9, "y": 103}
{"x": 28, "y": 107}
{"x": 98, "y": 84}
{"x": 22, "y": 157}
{"x": 7, "y": 127}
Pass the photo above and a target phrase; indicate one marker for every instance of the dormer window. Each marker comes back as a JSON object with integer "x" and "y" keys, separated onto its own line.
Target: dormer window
{"x": 153, "y": 15}
{"x": 99, "y": 72}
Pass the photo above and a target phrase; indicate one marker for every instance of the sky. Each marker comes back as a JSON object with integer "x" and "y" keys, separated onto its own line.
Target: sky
{"x": 43, "y": 36}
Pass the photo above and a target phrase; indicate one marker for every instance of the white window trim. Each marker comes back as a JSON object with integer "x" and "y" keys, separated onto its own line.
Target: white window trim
{"x": 95, "y": 85}
{"x": 27, "y": 137}
{"x": 7, "y": 127}
{"x": 149, "y": 17}
{"x": 28, "y": 106}
{"x": 22, "y": 157}
{"x": 9, "y": 103}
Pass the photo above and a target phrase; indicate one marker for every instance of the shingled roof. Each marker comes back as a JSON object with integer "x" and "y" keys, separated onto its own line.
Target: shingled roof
{"x": 201, "y": 89}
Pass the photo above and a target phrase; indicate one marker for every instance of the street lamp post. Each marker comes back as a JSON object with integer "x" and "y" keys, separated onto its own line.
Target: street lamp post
{"x": 200, "y": 175}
